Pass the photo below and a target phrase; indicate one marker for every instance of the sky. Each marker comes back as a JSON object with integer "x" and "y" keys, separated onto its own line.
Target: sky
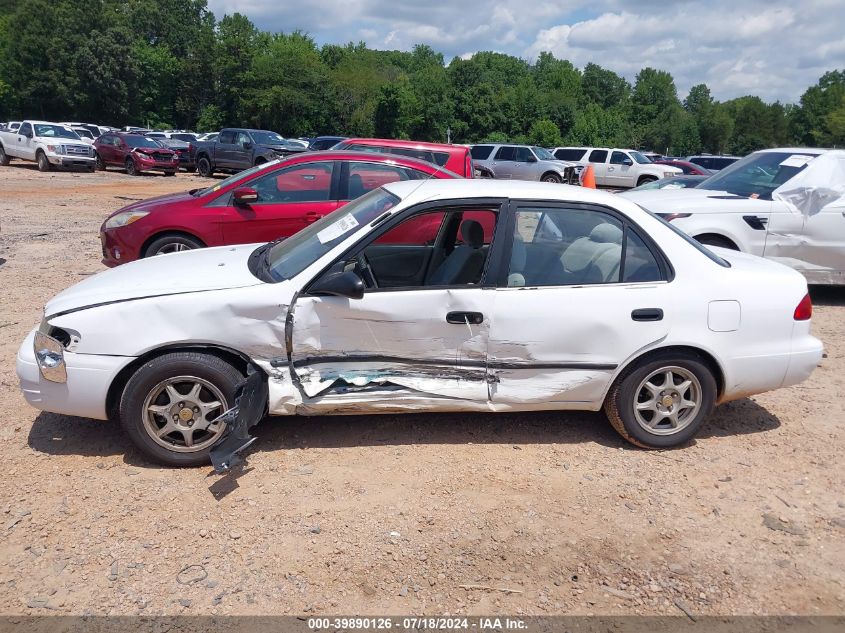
{"x": 774, "y": 50}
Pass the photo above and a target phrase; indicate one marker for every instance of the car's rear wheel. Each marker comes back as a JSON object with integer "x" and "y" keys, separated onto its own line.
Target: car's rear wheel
{"x": 43, "y": 163}
{"x": 204, "y": 167}
{"x": 551, "y": 178}
{"x": 170, "y": 173}
{"x": 662, "y": 401}
{"x": 169, "y": 405}
{"x": 172, "y": 243}
{"x": 132, "y": 168}
{"x": 4, "y": 157}
{"x": 99, "y": 163}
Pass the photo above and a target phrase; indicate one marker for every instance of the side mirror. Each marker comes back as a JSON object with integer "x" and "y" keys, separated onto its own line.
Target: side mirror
{"x": 28, "y": 134}
{"x": 245, "y": 196}
{"x": 531, "y": 159}
{"x": 345, "y": 284}
{"x": 247, "y": 145}
{"x": 627, "y": 161}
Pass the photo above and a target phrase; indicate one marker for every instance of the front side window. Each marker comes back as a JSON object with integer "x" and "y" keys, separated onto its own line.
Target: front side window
{"x": 243, "y": 137}
{"x": 523, "y": 154}
{"x": 618, "y": 158}
{"x": 311, "y": 182}
{"x": 598, "y": 156}
{"x": 542, "y": 153}
{"x": 564, "y": 247}
{"x": 25, "y": 128}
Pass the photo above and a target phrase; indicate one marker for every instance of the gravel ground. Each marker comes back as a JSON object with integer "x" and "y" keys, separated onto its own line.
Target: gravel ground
{"x": 473, "y": 514}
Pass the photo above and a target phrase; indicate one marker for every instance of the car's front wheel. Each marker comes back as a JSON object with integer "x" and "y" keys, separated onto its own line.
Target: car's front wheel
{"x": 99, "y": 163}
{"x": 132, "y": 168}
{"x": 172, "y": 243}
{"x": 662, "y": 401}
{"x": 43, "y": 162}
{"x": 550, "y": 177}
{"x": 169, "y": 405}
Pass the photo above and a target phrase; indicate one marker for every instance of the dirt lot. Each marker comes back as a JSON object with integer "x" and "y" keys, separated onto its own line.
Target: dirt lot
{"x": 475, "y": 514}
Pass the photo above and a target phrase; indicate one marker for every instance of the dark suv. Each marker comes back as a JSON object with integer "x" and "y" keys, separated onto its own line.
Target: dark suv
{"x": 711, "y": 162}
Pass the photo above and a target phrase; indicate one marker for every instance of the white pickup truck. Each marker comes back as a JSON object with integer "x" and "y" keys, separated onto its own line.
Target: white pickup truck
{"x": 48, "y": 144}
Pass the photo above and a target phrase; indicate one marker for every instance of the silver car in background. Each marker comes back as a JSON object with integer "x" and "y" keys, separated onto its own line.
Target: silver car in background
{"x": 523, "y": 162}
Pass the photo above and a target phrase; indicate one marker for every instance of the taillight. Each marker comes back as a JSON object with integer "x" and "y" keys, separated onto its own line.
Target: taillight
{"x": 470, "y": 169}
{"x": 803, "y": 310}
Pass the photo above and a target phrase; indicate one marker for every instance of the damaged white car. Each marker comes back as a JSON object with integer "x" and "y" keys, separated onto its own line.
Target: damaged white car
{"x": 460, "y": 295}
{"x": 784, "y": 204}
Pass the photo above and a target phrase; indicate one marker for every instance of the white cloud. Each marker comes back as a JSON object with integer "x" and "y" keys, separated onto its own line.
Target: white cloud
{"x": 775, "y": 50}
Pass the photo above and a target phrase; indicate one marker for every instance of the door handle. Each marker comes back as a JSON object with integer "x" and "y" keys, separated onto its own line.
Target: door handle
{"x": 461, "y": 318}
{"x": 312, "y": 216}
{"x": 647, "y": 314}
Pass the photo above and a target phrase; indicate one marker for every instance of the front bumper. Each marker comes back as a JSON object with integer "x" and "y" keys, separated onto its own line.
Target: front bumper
{"x": 116, "y": 250}
{"x": 154, "y": 165}
{"x": 88, "y": 379}
{"x": 71, "y": 161}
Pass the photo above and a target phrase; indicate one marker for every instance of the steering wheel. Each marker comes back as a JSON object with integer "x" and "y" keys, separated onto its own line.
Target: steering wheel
{"x": 364, "y": 269}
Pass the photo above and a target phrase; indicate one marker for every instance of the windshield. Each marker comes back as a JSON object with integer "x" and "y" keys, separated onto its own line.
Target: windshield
{"x": 136, "y": 140}
{"x": 758, "y": 175}
{"x": 642, "y": 159}
{"x": 543, "y": 154}
{"x": 55, "y": 131}
{"x": 241, "y": 175}
{"x": 287, "y": 259}
{"x": 268, "y": 138}
{"x": 83, "y": 132}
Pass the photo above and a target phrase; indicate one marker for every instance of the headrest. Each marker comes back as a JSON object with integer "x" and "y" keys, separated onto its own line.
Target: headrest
{"x": 473, "y": 233}
{"x": 606, "y": 233}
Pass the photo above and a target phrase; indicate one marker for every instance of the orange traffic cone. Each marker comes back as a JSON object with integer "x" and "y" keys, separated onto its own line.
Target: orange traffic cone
{"x": 588, "y": 177}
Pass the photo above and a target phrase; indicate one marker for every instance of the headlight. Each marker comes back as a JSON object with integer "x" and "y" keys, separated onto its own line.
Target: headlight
{"x": 124, "y": 219}
{"x": 56, "y": 149}
{"x": 143, "y": 155}
{"x": 50, "y": 356}
{"x": 668, "y": 174}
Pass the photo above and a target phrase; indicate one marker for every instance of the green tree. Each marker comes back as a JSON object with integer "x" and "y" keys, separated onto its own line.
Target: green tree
{"x": 544, "y": 133}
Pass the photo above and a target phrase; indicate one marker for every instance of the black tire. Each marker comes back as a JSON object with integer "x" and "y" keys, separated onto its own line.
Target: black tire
{"x": 190, "y": 170}
{"x": 717, "y": 240}
{"x": 4, "y": 157}
{"x": 628, "y": 390}
{"x": 550, "y": 177}
{"x": 43, "y": 164}
{"x": 132, "y": 168}
{"x": 172, "y": 243}
{"x": 204, "y": 167}
{"x": 170, "y": 173}
{"x": 99, "y": 164}
{"x": 148, "y": 379}
{"x": 645, "y": 180}
{"x": 259, "y": 161}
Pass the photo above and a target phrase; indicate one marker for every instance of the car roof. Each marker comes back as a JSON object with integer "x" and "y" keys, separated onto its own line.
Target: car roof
{"x": 793, "y": 150}
{"x": 492, "y": 188}
{"x": 391, "y": 142}
{"x": 371, "y": 157}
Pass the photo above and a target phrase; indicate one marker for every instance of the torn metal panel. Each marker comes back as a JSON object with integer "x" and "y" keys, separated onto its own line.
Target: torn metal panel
{"x": 821, "y": 183}
{"x": 397, "y": 337}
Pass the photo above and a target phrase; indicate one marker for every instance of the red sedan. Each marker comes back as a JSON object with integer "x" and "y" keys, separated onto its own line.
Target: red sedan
{"x": 689, "y": 169}
{"x": 266, "y": 202}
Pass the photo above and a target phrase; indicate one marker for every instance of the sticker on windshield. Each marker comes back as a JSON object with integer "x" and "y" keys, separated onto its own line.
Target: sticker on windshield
{"x": 344, "y": 224}
{"x": 796, "y": 160}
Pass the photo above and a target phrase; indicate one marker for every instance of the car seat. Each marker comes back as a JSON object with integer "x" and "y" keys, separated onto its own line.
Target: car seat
{"x": 594, "y": 259}
{"x": 464, "y": 264}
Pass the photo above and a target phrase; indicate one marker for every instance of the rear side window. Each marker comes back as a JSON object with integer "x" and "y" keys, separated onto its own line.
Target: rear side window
{"x": 598, "y": 156}
{"x": 570, "y": 154}
{"x": 703, "y": 161}
{"x": 481, "y": 152}
{"x": 506, "y": 153}
{"x": 721, "y": 163}
{"x": 640, "y": 263}
{"x": 227, "y": 137}
{"x": 438, "y": 158}
{"x": 364, "y": 177}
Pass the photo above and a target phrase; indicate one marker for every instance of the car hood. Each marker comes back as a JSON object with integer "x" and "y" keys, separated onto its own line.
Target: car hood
{"x": 692, "y": 200}
{"x": 199, "y": 270}
{"x": 150, "y": 204}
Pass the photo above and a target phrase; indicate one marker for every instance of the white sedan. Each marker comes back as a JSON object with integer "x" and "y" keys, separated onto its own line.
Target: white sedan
{"x": 441, "y": 295}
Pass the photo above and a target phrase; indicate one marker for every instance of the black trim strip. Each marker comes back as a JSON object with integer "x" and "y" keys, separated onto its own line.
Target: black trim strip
{"x": 379, "y": 358}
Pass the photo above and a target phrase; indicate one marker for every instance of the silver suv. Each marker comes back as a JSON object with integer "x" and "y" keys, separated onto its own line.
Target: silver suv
{"x": 523, "y": 162}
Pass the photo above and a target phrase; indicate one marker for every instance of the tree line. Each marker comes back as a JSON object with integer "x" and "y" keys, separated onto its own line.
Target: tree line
{"x": 170, "y": 63}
